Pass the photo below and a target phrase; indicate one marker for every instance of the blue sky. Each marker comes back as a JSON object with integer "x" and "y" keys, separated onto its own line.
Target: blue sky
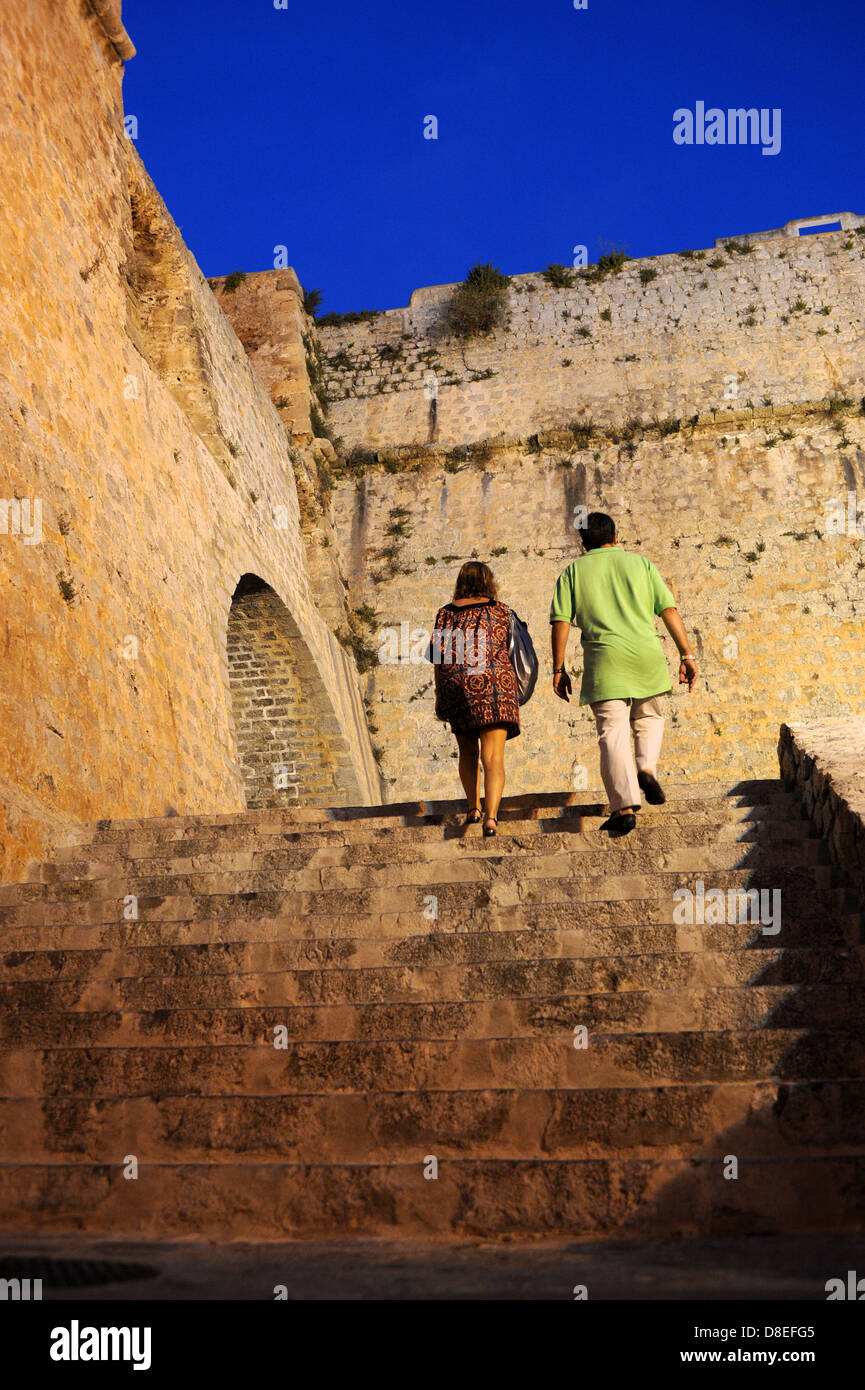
{"x": 303, "y": 127}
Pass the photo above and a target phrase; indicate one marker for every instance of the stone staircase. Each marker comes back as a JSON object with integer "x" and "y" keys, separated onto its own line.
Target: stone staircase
{"x": 314, "y": 1005}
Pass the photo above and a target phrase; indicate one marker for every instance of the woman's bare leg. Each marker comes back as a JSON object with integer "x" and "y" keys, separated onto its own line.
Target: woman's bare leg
{"x": 493, "y": 758}
{"x": 470, "y": 769}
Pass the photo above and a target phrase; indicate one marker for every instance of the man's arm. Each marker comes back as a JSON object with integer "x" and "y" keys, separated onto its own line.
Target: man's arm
{"x": 561, "y": 679}
{"x": 676, "y": 628}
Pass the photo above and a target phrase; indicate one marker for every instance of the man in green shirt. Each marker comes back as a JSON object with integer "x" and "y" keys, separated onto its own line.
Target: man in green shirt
{"x": 613, "y": 596}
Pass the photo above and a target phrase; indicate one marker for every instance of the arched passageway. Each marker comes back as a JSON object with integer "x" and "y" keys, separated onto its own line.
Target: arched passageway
{"x": 289, "y": 746}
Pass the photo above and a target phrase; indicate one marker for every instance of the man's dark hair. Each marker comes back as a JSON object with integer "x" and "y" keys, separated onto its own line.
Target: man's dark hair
{"x": 598, "y": 530}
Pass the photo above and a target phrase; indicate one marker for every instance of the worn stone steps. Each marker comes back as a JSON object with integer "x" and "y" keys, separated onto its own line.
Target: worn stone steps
{"x": 580, "y": 861}
{"x": 706, "y": 842}
{"x": 716, "y": 1007}
{"x": 224, "y": 917}
{"x": 518, "y": 934}
{"x": 497, "y": 883}
{"x": 587, "y": 1198}
{"x": 549, "y": 1057}
{"x": 655, "y": 825}
{"x": 831, "y": 1006}
{"x": 532, "y": 804}
{"x": 681, "y": 1036}
{"x": 398, "y": 1126}
{"x": 487, "y": 979}
{"x": 148, "y": 838}
{"x": 72, "y": 952}
{"x": 308, "y": 1003}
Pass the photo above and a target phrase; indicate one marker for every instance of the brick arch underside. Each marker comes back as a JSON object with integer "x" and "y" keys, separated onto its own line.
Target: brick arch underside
{"x": 289, "y": 747}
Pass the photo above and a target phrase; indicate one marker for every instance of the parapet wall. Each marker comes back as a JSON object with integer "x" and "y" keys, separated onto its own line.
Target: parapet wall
{"x": 665, "y": 337}
{"x": 824, "y": 760}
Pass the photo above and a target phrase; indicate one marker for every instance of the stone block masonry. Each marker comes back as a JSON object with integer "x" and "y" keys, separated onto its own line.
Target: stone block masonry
{"x": 130, "y": 411}
{"x": 666, "y": 337}
{"x": 710, "y": 400}
{"x": 285, "y": 745}
{"x": 738, "y": 527}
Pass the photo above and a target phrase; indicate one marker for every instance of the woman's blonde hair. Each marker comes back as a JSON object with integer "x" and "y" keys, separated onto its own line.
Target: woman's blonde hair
{"x": 475, "y": 580}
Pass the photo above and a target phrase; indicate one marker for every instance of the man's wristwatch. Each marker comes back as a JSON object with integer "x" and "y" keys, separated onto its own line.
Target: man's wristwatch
{"x": 687, "y": 656}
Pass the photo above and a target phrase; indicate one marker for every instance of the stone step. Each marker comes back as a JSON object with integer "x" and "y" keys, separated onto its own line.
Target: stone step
{"x": 296, "y": 869}
{"x": 149, "y": 837}
{"x": 72, "y": 953}
{"x": 596, "y": 1198}
{"x": 786, "y": 822}
{"x": 499, "y": 882}
{"x": 755, "y": 843}
{"x": 154, "y": 1067}
{"x": 751, "y": 1119}
{"x": 532, "y": 804}
{"x": 464, "y": 908}
{"x": 336, "y": 984}
{"x": 755, "y": 1036}
{"x": 505, "y": 934}
{"x": 311, "y": 1002}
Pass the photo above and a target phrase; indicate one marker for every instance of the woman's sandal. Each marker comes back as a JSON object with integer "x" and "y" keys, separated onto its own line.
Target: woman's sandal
{"x": 487, "y": 831}
{"x": 474, "y": 816}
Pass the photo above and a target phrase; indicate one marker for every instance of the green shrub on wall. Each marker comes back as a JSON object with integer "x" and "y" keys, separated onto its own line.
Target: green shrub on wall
{"x": 312, "y": 301}
{"x": 479, "y": 303}
{"x": 560, "y": 276}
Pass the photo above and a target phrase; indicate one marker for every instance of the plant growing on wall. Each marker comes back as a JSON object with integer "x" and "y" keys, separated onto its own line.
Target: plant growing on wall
{"x": 317, "y": 421}
{"x": 340, "y": 361}
{"x": 311, "y": 301}
{"x": 353, "y": 316}
{"x": 362, "y": 625}
{"x": 583, "y": 431}
{"x": 479, "y": 303}
{"x": 560, "y": 276}
{"x": 609, "y": 264}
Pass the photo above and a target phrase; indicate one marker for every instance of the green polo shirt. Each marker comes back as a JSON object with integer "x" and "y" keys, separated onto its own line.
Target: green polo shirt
{"x": 612, "y": 596}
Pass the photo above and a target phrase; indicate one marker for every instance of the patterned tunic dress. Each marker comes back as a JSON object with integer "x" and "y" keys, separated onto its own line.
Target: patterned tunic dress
{"x": 474, "y": 679}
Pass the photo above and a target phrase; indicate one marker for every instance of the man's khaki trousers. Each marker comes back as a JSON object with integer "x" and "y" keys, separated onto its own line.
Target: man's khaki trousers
{"x": 615, "y": 720}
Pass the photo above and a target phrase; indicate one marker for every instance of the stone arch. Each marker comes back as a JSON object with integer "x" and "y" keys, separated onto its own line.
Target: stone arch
{"x": 290, "y": 749}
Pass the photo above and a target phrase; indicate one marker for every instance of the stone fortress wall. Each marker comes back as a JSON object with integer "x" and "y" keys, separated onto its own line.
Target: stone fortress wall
{"x": 711, "y": 401}
{"x": 181, "y": 630}
{"x": 667, "y": 337}
{"x": 137, "y": 434}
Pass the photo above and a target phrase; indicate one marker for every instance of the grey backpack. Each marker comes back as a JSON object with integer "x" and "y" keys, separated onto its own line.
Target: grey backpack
{"x": 524, "y": 658}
